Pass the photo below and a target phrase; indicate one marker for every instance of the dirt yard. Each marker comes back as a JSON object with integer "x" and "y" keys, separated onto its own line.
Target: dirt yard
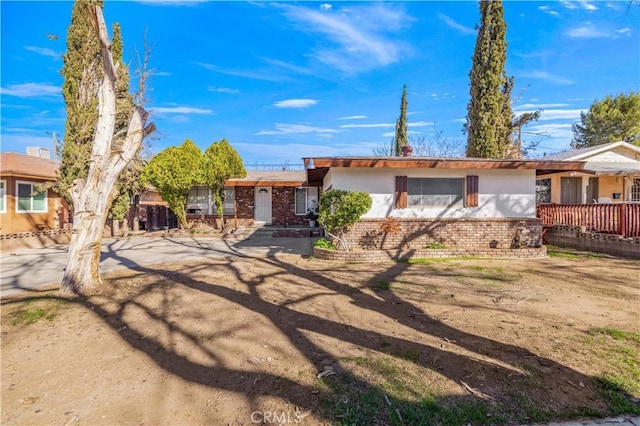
{"x": 242, "y": 341}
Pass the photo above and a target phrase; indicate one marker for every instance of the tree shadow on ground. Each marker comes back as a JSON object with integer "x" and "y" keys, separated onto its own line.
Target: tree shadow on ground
{"x": 484, "y": 367}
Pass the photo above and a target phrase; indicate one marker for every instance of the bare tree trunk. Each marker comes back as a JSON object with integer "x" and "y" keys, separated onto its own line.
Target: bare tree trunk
{"x": 92, "y": 197}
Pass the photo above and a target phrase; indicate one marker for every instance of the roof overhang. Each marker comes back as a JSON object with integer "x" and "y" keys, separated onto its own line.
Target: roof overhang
{"x": 264, "y": 182}
{"x": 315, "y": 176}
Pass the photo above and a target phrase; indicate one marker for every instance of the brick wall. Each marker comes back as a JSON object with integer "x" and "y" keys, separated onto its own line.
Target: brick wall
{"x": 575, "y": 237}
{"x": 283, "y": 207}
{"x": 382, "y": 255}
{"x": 463, "y": 233}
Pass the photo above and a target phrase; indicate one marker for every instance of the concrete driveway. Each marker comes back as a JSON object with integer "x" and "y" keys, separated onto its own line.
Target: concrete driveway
{"x": 31, "y": 269}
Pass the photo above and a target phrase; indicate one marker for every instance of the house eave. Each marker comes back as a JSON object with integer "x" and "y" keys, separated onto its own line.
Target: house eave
{"x": 323, "y": 164}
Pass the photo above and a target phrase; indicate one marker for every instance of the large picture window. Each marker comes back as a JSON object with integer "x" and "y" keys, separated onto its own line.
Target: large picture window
{"x": 435, "y": 192}
{"x": 29, "y": 200}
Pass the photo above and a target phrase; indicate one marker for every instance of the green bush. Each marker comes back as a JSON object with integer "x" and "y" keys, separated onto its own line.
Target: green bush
{"x": 323, "y": 243}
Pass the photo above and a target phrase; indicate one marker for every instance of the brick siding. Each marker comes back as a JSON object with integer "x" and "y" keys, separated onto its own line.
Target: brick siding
{"x": 463, "y": 233}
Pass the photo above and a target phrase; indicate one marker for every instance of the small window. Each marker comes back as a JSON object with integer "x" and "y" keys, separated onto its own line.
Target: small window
{"x": 543, "y": 191}
{"x": 29, "y": 200}
{"x": 3, "y": 196}
{"x": 229, "y": 200}
{"x": 301, "y": 201}
{"x": 435, "y": 192}
{"x": 635, "y": 190}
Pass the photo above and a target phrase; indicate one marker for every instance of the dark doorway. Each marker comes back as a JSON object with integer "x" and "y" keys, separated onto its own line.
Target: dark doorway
{"x": 571, "y": 191}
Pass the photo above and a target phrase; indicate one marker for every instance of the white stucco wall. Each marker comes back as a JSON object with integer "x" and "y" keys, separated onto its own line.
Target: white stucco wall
{"x": 502, "y": 193}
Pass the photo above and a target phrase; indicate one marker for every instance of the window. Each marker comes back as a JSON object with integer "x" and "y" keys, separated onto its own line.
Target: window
{"x": 543, "y": 191}
{"x": 3, "y": 196}
{"x": 301, "y": 201}
{"x": 435, "y": 192}
{"x": 229, "y": 200}
{"x": 635, "y": 190}
{"x": 198, "y": 201}
{"x": 305, "y": 198}
{"x": 29, "y": 200}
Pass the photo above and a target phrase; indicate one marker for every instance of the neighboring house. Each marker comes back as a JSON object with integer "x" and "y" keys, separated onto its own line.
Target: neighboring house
{"x": 24, "y": 206}
{"x": 30, "y": 216}
{"x": 611, "y": 175}
{"x": 264, "y": 197}
{"x": 456, "y": 202}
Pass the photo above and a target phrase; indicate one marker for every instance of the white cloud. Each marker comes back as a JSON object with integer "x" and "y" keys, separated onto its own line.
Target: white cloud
{"x": 361, "y": 35}
{"x": 626, "y": 31}
{"x": 420, "y": 124}
{"x": 556, "y": 131}
{"x": 548, "y": 11}
{"x": 223, "y": 90}
{"x": 325, "y": 6}
{"x": 24, "y": 140}
{"x": 353, "y": 117}
{"x": 256, "y": 75}
{"x": 181, "y": 110}
{"x": 160, "y": 73}
{"x": 288, "y": 129}
{"x": 588, "y": 30}
{"x": 557, "y": 114}
{"x": 45, "y": 51}
{"x": 543, "y": 75}
{"x": 295, "y": 103}
{"x": 569, "y": 4}
{"x": 31, "y": 90}
{"x": 367, "y": 126}
{"x": 586, "y": 5}
{"x": 538, "y": 106}
{"x": 455, "y": 25}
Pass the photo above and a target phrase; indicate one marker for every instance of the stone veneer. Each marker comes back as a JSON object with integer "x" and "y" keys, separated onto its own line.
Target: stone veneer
{"x": 462, "y": 233}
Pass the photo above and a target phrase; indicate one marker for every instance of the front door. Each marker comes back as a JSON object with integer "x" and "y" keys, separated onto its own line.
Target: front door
{"x": 592, "y": 190}
{"x": 262, "y": 212}
{"x": 571, "y": 191}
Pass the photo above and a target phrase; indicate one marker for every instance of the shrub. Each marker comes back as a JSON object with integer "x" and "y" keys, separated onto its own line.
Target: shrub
{"x": 323, "y": 243}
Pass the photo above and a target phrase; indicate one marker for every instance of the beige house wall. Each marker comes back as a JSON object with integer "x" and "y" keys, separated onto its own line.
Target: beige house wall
{"x": 607, "y": 186}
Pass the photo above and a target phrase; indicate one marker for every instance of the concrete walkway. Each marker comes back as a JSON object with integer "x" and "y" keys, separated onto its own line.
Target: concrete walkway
{"x": 31, "y": 269}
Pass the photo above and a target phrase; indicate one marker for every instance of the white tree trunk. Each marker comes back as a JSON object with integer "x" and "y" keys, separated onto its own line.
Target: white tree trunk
{"x": 92, "y": 197}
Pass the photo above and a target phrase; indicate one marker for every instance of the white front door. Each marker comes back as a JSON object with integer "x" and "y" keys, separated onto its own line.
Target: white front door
{"x": 263, "y": 205}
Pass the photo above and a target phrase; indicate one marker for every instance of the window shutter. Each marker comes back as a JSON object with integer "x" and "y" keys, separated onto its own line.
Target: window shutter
{"x": 471, "y": 199}
{"x": 401, "y": 192}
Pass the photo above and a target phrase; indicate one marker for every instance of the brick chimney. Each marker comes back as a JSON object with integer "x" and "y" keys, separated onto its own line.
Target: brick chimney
{"x": 407, "y": 150}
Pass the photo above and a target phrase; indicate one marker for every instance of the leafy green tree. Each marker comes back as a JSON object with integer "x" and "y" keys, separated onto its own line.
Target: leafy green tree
{"x": 222, "y": 162}
{"x": 401, "y": 125}
{"x": 173, "y": 172}
{"x": 489, "y": 116}
{"x": 339, "y": 210}
{"x": 611, "y": 119}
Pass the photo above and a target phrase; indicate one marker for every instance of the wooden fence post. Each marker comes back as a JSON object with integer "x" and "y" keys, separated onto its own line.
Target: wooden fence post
{"x": 624, "y": 231}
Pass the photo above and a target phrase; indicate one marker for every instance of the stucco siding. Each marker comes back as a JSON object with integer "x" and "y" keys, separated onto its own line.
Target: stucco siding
{"x": 502, "y": 193}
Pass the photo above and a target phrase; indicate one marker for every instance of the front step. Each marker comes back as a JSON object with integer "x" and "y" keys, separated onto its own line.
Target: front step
{"x": 279, "y": 232}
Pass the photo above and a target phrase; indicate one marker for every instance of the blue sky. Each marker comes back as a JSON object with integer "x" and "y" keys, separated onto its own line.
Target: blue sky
{"x": 285, "y": 80}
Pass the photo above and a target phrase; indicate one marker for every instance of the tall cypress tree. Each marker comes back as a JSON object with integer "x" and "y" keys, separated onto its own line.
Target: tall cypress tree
{"x": 489, "y": 115}
{"x": 401, "y": 124}
{"x": 82, "y": 71}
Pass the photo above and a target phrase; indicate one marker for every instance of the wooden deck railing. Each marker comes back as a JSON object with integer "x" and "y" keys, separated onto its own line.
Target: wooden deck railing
{"x": 618, "y": 218}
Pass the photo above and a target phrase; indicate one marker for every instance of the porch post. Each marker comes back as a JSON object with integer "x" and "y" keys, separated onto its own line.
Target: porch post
{"x": 623, "y": 220}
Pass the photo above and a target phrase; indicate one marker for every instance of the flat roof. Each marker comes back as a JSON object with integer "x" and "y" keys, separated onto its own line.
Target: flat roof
{"x": 323, "y": 164}
{"x": 270, "y": 178}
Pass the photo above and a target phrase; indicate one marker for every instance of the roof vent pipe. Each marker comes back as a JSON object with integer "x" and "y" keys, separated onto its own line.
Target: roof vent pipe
{"x": 407, "y": 150}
